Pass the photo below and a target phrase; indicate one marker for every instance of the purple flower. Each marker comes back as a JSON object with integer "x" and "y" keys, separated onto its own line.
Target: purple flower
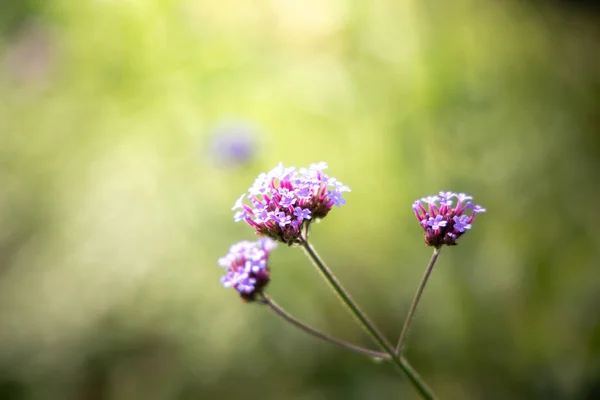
{"x": 240, "y": 215}
{"x": 287, "y": 200}
{"x": 446, "y": 198}
{"x": 260, "y": 215}
{"x": 302, "y": 213}
{"x": 461, "y": 223}
{"x": 233, "y": 144}
{"x": 442, "y": 223}
{"x": 246, "y": 267}
{"x": 292, "y": 199}
{"x": 336, "y": 198}
{"x": 437, "y": 222}
{"x": 303, "y": 192}
{"x": 281, "y": 218}
{"x": 430, "y": 199}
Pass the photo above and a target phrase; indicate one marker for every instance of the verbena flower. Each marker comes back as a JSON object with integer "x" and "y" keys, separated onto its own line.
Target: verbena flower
{"x": 285, "y": 200}
{"x": 246, "y": 265}
{"x": 233, "y": 145}
{"x": 442, "y": 221}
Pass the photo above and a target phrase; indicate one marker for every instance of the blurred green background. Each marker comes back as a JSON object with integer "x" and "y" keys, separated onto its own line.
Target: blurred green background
{"x": 115, "y": 195}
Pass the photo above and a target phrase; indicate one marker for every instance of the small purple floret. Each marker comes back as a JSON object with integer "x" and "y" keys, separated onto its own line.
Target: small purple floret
{"x": 461, "y": 223}
{"x": 442, "y": 223}
{"x": 437, "y": 222}
{"x": 302, "y": 213}
{"x": 281, "y": 218}
{"x": 287, "y": 200}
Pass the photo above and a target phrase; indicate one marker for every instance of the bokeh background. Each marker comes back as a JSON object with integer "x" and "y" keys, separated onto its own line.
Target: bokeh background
{"x": 128, "y": 128}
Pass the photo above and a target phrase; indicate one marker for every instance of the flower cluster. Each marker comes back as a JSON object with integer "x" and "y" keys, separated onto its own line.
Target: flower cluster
{"x": 285, "y": 200}
{"x": 442, "y": 222}
{"x": 233, "y": 145}
{"x": 246, "y": 267}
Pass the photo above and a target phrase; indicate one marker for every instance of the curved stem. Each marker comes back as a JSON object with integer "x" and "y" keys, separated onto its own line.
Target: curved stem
{"x": 289, "y": 318}
{"x": 415, "y": 303}
{"x": 415, "y": 379}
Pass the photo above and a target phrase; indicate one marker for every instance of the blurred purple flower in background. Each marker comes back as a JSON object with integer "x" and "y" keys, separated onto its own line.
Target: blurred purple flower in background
{"x": 442, "y": 223}
{"x": 233, "y": 144}
{"x": 247, "y": 269}
{"x": 30, "y": 56}
{"x": 285, "y": 199}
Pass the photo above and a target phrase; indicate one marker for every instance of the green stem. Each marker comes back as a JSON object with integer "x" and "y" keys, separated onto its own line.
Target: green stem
{"x": 289, "y": 318}
{"x": 415, "y": 379}
{"x": 415, "y": 303}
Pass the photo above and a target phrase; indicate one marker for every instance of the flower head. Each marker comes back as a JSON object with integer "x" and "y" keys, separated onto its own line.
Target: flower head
{"x": 233, "y": 144}
{"x": 285, "y": 200}
{"x": 442, "y": 222}
{"x": 247, "y": 270}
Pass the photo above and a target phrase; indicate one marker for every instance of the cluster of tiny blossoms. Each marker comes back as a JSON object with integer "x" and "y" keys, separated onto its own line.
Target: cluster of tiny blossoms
{"x": 442, "y": 221}
{"x": 285, "y": 200}
{"x": 246, "y": 266}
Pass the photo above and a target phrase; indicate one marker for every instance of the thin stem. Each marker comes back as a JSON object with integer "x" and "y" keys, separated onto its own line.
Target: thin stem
{"x": 289, "y": 318}
{"x": 415, "y": 379}
{"x": 361, "y": 350}
{"x": 344, "y": 295}
{"x": 415, "y": 303}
